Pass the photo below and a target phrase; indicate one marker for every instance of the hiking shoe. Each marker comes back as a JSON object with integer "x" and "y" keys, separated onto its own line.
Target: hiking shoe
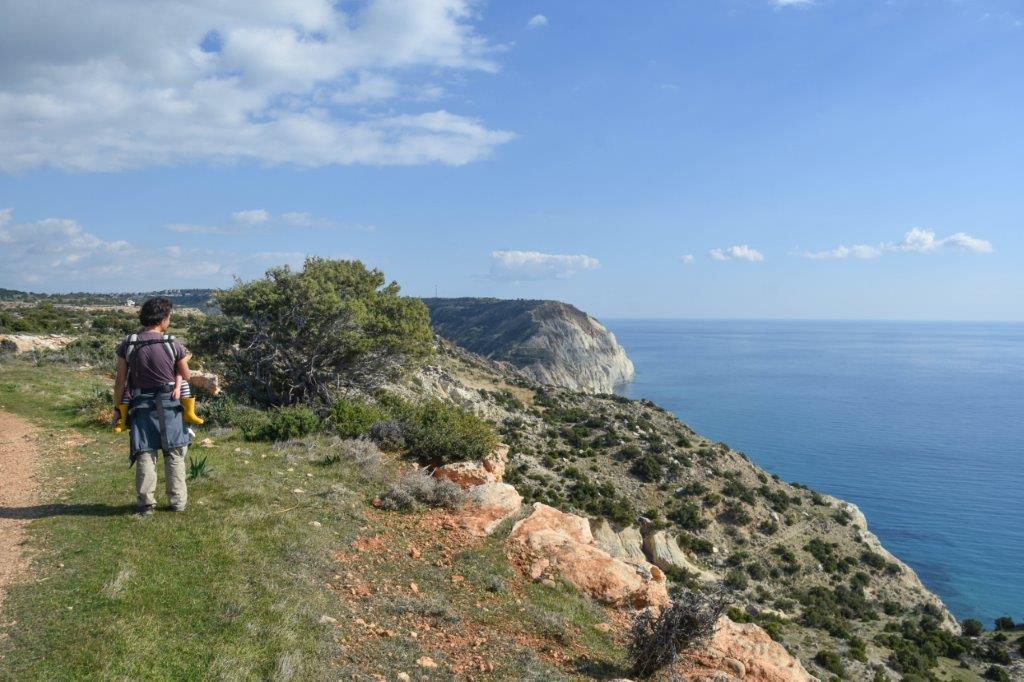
{"x": 177, "y": 509}
{"x": 144, "y": 513}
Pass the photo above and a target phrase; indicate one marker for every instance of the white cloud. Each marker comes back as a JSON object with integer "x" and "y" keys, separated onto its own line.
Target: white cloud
{"x": 188, "y": 228}
{"x": 740, "y": 252}
{"x": 923, "y": 241}
{"x": 687, "y": 259}
{"x": 251, "y": 217}
{"x": 112, "y": 84}
{"x": 61, "y": 255}
{"x": 262, "y": 221}
{"x": 534, "y": 265}
{"x": 859, "y": 251}
{"x": 917, "y": 240}
{"x": 537, "y": 21}
{"x": 792, "y": 3}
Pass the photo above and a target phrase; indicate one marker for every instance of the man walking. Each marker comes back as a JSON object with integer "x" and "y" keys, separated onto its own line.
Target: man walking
{"x": 149, "y": 362}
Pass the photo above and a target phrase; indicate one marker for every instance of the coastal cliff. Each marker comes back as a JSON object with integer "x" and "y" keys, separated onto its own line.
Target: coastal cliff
{"x": 801, "y": 565}
{"x": 549, "y": 341}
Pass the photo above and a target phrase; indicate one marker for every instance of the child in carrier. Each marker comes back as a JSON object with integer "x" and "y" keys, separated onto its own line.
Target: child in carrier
{"x": 182, "y": 391}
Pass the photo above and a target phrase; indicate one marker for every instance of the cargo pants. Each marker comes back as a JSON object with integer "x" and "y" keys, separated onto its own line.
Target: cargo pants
{"x": 174, "y": 478}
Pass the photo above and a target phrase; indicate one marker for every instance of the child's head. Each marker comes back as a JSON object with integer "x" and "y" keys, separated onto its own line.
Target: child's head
{"x": 156, "y": 312}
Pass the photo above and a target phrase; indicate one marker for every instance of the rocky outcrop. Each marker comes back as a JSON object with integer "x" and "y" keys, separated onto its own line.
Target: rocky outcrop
{"x": 657, "y": 547}
{"x": 663, "y": 551}
{"x": 490, "y": 469}
{"x": 743, "y": 652}
{"x": 27, "y": 343}
{"x": 549, "y": 341}
{"x": 206, "y": 383}
{"x": 562, "y": 544}
{"x": 486, "y": 505}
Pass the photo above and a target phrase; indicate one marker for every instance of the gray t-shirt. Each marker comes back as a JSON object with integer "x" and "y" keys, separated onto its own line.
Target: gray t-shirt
{"x": 151, "y": 366}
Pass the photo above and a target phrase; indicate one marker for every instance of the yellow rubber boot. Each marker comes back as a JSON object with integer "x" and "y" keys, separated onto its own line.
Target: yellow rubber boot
{"x": 189, "y": 414}
{"x": 120, "y": 426}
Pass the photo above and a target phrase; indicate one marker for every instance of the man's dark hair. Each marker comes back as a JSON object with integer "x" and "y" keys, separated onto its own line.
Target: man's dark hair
{"x": 154, "y": 311}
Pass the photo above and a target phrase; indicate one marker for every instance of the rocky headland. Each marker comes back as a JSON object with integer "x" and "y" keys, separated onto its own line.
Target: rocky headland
{"x": 549, "y": 341}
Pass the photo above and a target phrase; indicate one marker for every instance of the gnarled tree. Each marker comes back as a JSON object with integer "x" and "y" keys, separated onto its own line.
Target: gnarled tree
{"x": 298, "y": 336}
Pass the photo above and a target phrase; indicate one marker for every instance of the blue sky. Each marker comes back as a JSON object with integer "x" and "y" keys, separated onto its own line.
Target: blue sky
{"x": 704, "y": 158}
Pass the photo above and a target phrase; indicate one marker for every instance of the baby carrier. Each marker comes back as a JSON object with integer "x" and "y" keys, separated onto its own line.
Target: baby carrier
{"x": 154, "y": 417}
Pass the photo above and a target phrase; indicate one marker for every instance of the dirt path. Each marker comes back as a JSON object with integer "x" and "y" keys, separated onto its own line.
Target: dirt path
{"x": 17, "y": 489}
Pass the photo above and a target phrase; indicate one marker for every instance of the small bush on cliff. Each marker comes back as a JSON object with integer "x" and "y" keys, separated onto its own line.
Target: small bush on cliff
{"x": 353, "y": 418}
{"x": 297, "y": 336}
{"x": 417, "y": 489}
{"x": 283, "y": 423}
{"x": 830, "y": 661}
{"x": 997, "y": 673}
{"x": 647, "y": 468}
{"x": 655, "y": 641}
{"x": 972, "y": 627}
{"x": 1005, "y": 623}
{"x": 388, "y": 434}
{"x": 441, "y": 432}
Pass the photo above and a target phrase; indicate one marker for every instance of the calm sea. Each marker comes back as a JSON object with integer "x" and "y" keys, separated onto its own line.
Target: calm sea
{"x": 920, "y": 424}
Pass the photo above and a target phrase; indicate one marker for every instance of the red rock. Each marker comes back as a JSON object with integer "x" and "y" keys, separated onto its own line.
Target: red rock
{"x": 565, "y": 541}
{"x": 486, "y": 505}
{"x": 490, "y": 469}
{"x": 744, "y": 652}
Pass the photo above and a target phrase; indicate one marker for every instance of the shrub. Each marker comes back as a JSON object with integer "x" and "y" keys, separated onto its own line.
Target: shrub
{"x": 418, "y": 488}
{"x": 997, "y": 654}
{"x": 858, "y": 649}
{"x": 695, "y": 544}
{"x": 687, "y": 516}
{"x": 655, "y": 641}
{"x": 736, "y": 514}
{"x": 873, "y": 559}
{"x": 353, "y": 418}
{"x": 1005, "y": 623}
{"x": 647, "y": 468}
{"x": 298, "y": 336}
{"x": 757, "y": 570}
{"x": 283, "y": 423}
{"x": 736, "y": 579}
{"x": 221, "y": 411}
{"x": 830, "y": 661}
{"x": 630, "y": 452}
{"x": 444, "y": 433}
{"x": 362, "y": 454}
{"x": 972, "y": 627}
{"x": 997, "y": 673}
{"x": 388, "y": 434}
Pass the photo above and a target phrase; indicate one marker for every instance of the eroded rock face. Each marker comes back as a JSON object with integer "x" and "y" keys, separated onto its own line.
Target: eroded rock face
{"x": 551, "y": 342}
{"x": 486, "y": 505}
{"x": 563, "y": 544}
{"x": 744, "y": 652}
{"x": 633, "y": 543}
{"x": 491, "y": 469}
{"x": 663, "y": 551}
{"x": 607, "y": 539}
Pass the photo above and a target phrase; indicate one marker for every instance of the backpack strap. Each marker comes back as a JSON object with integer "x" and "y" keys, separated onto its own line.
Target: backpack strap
{"x": 130, "y": 343}
{"x": 169, "y": 347}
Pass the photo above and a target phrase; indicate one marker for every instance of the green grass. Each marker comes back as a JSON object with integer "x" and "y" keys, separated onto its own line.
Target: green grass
{"x": 235, "y": 587}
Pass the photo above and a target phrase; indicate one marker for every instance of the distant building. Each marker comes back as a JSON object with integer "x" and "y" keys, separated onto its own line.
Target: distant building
{"x": 129, "y": 303}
